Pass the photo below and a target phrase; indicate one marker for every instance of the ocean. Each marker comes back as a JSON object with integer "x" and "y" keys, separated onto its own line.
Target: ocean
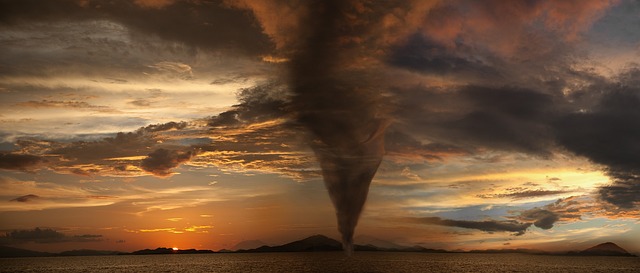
{"x": 323, "y": 262}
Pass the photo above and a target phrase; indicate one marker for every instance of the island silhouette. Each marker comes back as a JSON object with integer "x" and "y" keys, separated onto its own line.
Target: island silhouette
{"x": 316, "y": 243}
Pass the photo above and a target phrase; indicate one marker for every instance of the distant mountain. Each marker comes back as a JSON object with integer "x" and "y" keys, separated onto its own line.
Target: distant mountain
{"x": 12, "y": 252}
{"x": 249, "y": 244}
{"x": 376, "y": 242}
{"x": 606, "y": 249}
{"x": 313, "y": 243}
{"x": 369, "y": 243}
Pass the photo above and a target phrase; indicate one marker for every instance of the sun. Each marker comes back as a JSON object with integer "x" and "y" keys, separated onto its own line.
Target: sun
{"x": 175, "y": 248}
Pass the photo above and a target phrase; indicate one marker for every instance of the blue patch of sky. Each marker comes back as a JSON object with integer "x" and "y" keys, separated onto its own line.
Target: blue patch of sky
{"x": 481, "y": 212}
{"x": 194, "y": 141}
{"x": 620, "y": 25}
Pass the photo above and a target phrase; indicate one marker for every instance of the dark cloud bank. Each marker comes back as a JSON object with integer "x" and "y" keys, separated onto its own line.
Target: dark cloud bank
{"x": 20, "y": 162}
{"x": 161, "y": 161}
{"x": 487, "y": 225}
{"x": 524, "y": 120}
{"x": 609, "y": 134}
{"x": 204, "y": 24}
{"x": 599, "y": 120}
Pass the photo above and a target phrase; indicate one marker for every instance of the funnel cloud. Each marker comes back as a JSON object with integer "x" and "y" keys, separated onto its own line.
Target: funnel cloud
{"x": 340, "y": 107}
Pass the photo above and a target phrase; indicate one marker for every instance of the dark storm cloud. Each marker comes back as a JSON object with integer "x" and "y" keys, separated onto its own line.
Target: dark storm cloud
{"x": 487, "y": 225}
{"x": 25, "y": 198}
{"x": 20, "y": 162}
{"x": 257, "y": 104}
{"x": 624, "y": 192}
{"x": 541, "y": 218}
{"x": 165, "y": 126}
{"x": 523, "y": 105}
{"x": 161, "y": 161}
{"x": 599, "y": 121}
{"x": 400, "y": 146}
{"x": 21, "y": 11}
{"x": 206, "y": 24}
{"x": 608, "y": 134}
{"x": 504, "y": 118}
{"x": 507, "y": 72}
{"x": 425, "y": 56}
{"x": 44, "y": 236}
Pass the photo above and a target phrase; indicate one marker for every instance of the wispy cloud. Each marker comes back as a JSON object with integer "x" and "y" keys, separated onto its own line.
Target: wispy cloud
{"x": 194, "y": 229}
{"x": 525, "y": 194}
{"x": 67, "y": 104}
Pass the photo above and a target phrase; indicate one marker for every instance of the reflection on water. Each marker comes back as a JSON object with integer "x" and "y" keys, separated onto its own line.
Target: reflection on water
{"x": 323, "y": 262}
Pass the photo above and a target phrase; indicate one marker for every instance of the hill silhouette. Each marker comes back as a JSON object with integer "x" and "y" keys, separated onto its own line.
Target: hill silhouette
{"x": 313, "y": 243}
{"x": 250, "y": 244}
{"x": 379, "y": 243}
{"x": 13, "y": 252}
{"x": 605, "y": 249}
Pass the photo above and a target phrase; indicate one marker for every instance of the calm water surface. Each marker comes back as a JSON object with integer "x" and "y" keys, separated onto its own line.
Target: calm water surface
{"x": 323, "y": 262}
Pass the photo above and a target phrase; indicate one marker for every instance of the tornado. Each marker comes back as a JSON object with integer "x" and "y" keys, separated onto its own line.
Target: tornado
{"x": 347, "y": 171}
{"x": 339, "y": 103}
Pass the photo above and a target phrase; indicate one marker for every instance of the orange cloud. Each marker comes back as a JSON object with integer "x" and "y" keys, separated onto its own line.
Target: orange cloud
{"x": 279, "y": 19}
{"x": 504, "y": 27}
{"x": 197, "y": 229}
{"x": 367, "y": 27}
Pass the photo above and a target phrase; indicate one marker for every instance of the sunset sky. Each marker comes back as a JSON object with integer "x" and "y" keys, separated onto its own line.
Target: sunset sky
{"x": 131, "y": 124}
